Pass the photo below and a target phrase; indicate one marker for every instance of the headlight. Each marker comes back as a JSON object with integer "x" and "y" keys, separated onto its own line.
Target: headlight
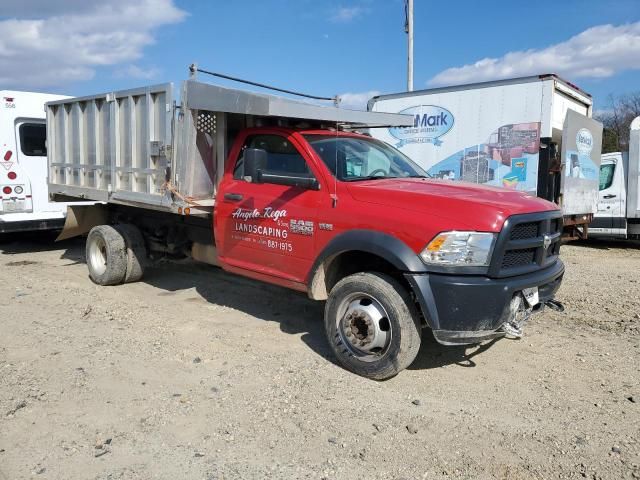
{"x": 464, "y": 249}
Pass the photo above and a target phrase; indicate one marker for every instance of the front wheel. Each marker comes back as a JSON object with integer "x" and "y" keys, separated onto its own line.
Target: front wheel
{"x": 372, "y": 325}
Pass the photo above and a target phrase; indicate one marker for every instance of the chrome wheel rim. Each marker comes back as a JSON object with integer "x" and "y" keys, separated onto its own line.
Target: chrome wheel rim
{"x": 98, "y": 255}
{"x": 364, "y": 327}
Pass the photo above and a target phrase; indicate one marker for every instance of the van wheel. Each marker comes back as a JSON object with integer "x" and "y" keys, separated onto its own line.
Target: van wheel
{"x": 372, "y": 325}
{"x": 106, "y": 255}
{"x": 136, "y": 251}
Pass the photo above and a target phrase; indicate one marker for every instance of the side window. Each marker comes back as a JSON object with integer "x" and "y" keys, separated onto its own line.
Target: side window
{"x": 282, "y": 156}
{"x": 606, "y": 175}
{"x": 33, "y": 138}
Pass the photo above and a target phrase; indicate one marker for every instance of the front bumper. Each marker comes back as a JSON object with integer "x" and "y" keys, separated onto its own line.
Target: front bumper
{"x": 465, "y": 309}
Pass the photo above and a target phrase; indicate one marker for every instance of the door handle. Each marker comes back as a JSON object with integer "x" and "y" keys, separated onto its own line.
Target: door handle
{"x": 610, "y": 196}
{"x": 234, "y": 197}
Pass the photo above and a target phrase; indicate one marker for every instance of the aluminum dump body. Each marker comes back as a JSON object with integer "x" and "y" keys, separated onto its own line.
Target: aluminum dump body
{"x": 139, "y": 147}
{"x": 111, "y": 146}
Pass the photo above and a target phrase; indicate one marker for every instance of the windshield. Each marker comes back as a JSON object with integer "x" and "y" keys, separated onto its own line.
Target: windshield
{"x": 356, "y": 158}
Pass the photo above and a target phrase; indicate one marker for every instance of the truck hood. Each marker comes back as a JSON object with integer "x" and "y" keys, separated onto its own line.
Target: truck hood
{"x": 475, "y": 207}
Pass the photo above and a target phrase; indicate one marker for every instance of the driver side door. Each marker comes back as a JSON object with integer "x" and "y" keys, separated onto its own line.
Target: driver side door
{"x": 266, "y": 228}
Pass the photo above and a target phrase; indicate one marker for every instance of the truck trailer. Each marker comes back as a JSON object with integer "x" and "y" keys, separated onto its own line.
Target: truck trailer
{"x": 618, "y": 213}
{"x": 288, "y": 193}
{"x": 532, "y": 134}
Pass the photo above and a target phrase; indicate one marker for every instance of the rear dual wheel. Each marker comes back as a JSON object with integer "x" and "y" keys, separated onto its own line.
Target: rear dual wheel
{"x": 115, "y": 254}
{"x": 372, "y": 325}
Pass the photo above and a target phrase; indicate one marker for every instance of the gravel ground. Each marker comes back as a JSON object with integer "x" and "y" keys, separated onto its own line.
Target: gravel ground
{"x": 198, "y": 374}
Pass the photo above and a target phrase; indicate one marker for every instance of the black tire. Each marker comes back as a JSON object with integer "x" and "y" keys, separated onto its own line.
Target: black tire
{"x": 136, "y": 251}
{"x": 402, "y": 330}
{"x": 106, "y": 255}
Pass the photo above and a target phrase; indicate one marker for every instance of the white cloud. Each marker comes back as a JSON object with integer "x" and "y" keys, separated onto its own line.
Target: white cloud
{"x": 598, "y": 52}
{"x": 45, "y": 8}
{"x": 357, "y": 101}
{"x": 135, "y": 71}
{"x": 47, "y": 52}
{"x": 347, "y": 14}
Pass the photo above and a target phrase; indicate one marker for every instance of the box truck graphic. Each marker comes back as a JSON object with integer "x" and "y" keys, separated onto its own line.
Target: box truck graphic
{"x": 509, "y": 158}
{"x": 507, "y": 133}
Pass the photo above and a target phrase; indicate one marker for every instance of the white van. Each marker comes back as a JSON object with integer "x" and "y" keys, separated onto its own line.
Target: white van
{"x": 618, "y": 212}
{"x": 24, "y": 199}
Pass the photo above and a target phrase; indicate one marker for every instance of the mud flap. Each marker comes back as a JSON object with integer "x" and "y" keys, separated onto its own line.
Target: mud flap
{"x": 82, "y": 218}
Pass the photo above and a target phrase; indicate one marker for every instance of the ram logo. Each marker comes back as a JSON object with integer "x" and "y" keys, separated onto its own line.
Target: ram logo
{"x": 546, "y": 241}
{"x": 430, "y": 122}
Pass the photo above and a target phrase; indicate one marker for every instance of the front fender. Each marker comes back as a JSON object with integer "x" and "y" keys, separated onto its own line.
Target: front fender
{"x": 383, "y": 245}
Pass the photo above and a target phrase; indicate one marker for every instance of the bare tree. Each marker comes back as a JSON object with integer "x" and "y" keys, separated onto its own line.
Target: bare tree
{"x": 621, "y": 110}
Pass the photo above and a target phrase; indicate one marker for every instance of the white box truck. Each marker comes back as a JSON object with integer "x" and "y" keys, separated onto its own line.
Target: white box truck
{"x": 24, "y": 198}
{"x": 619, "y": 201}
{"x": 532, "y": 134}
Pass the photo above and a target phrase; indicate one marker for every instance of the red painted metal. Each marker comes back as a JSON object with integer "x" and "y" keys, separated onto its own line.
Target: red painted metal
{"x": 412, "y": 210}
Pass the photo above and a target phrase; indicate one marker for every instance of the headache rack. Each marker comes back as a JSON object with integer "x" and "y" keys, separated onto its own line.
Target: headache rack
{"x": 140, "y": 147}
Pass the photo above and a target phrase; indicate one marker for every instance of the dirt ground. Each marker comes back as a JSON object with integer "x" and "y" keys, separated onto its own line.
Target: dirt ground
{"x": 198, "y": 374}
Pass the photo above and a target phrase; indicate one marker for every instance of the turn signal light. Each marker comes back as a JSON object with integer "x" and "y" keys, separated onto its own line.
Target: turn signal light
{"x": 6, "y": 190}
{"x": 12, "y": 175}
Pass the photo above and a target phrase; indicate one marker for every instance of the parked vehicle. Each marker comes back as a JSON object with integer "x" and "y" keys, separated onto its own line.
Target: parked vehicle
{"x": 532, "y": 134}
{"x": 286, "y": 193}
{"x": 24, "y": 200}
{"x": 619, "y": 202}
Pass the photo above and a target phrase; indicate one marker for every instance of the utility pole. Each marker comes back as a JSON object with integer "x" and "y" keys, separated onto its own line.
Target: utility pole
{"x": 408, "y": 28}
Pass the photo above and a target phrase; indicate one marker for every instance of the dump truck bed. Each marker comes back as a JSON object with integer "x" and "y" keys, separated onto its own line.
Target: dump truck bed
{"x": 139, "y": 147}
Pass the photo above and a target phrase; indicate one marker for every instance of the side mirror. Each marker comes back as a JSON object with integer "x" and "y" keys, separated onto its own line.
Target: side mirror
{"x": 255, "y": 161}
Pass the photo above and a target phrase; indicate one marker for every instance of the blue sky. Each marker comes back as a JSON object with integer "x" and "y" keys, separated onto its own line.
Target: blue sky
{"x": 351, "y": 47}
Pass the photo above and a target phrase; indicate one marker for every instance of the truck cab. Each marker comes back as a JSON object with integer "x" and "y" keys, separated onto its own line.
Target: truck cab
{"x": 618, "y": 214}
{"x": 306, "y": 209}
{"x": 297, "y": 195}
{"x": 610, "y": 219}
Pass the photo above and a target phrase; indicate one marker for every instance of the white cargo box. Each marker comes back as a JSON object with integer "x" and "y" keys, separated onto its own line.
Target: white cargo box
{"x": 506, "y": 133}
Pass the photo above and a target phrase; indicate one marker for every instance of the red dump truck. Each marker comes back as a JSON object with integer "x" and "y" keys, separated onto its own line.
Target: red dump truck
{"x": 289, "y": 193}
